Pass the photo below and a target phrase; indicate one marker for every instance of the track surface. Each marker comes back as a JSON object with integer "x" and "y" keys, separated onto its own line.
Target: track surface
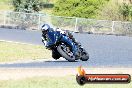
{"x": 104, "y": 50}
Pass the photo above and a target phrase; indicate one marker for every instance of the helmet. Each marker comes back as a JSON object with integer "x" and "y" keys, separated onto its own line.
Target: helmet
{"x": 45, "y": 28}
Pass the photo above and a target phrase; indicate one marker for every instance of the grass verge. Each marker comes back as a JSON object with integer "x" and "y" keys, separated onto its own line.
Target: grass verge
{"x": 55, "y": 82}
{"x": 15, "y": 51}
{"x": 5, "y": 7}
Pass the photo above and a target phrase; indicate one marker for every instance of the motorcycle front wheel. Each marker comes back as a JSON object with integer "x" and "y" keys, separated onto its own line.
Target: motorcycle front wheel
{"x": 65, "y": 52}
{"x": 55, "y": 55}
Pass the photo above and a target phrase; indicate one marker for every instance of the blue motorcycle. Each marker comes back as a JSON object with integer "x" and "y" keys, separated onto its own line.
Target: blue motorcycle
{"x": 63, "y": 46}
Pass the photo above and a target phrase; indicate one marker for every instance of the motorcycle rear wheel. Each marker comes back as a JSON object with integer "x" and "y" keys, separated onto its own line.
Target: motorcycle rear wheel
{"x": 85, "y": 58}
{"x": 85, "y": 55}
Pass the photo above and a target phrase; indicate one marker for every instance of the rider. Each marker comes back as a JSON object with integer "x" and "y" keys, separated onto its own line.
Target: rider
{"x": 48, "y": 34}
{"x": 45, "y": 28}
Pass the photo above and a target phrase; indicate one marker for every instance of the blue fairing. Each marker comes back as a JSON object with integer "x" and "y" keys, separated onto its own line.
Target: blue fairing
{"x": 69, "y": 42}
{"x": 55, "y": 36}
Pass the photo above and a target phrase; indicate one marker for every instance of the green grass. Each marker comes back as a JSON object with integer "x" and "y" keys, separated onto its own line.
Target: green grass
{"x": 55, "y": 82}
{"x": 5, "y": 1}
{"x": 15, "y": 51}
{"x": 6, "y": 7}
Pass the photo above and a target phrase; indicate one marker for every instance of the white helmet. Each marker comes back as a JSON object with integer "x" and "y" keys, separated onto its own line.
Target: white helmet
{"x": 45, "y": 27}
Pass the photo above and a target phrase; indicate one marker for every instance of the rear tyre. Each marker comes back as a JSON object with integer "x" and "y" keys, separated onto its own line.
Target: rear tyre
{"x": 85, "y": 55}
{"x": 61, "y": 50}
{"x": 85, "y": 58}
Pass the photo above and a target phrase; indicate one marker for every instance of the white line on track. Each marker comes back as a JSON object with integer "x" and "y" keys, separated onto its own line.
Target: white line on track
{"x": 17, "y": 42}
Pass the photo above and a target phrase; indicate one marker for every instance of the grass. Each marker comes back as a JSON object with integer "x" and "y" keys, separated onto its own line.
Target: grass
{"x": 5, "y": 7}
{"x": 55, "y": 82}
{"x": 15, "y": 51}
{"x": 47, "y": 11}
{"x": 4, "y": 1}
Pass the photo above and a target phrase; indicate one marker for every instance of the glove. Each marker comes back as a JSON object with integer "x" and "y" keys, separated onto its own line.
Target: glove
{"x": 42, "y": 39}
{"x": 45, "y": 43}
{"x": 48, "y": 47}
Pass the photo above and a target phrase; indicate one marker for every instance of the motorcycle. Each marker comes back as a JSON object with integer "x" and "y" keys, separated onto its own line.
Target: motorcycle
{"x": 62, "y": 46}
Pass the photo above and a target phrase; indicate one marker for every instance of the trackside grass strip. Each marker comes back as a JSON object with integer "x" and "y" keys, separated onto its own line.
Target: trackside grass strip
{"x": 15, "y": 51}
{"x": 55, "y": 82}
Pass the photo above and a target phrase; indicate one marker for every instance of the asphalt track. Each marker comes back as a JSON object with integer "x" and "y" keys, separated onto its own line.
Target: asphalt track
{"x": 104, "y": 50}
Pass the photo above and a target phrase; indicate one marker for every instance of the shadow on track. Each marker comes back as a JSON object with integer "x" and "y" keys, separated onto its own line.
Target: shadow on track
{"x": 62, "y": 61}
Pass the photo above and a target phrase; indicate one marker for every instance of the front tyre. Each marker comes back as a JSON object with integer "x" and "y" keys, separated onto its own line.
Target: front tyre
{"x": 55, "y": 55}
{"x": 66, "y": 53}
